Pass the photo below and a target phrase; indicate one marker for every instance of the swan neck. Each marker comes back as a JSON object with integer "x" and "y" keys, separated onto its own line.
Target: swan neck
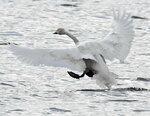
{"x": 76, "y": 41}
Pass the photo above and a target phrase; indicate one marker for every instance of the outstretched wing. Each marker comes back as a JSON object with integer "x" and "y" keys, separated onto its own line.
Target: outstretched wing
{"x": 118, "y": 42}
{"x": 68, "y": 58}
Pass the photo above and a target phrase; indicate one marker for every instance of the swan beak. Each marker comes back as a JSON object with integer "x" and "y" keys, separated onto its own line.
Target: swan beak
{"x": 55, "y": 33}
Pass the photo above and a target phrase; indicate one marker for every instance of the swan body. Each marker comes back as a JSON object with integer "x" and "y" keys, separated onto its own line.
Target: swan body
{"x": 88, "y": 57}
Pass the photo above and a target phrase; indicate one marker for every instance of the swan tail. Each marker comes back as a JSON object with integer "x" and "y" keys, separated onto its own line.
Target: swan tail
{"x": 107, "y": 81}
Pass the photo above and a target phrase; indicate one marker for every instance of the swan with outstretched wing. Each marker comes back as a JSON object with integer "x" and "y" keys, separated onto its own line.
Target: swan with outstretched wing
{"x": 87, "y": 57}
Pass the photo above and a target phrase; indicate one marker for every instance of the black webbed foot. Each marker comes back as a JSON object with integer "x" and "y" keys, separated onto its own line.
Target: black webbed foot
{"x": 88, "y": 72}
{"x": 74, "y": 75}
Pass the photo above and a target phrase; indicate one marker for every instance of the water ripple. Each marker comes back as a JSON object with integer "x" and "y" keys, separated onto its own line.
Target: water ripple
{"x": 15, "y": 110}
{"x": 143, "y": 79}
{"x": 117, "y": 89}
{"x": 59, "y": 110}
{"x": 123, "y": 100}
{"x": 10, "y": 33}
{"x": 7, "y": 84}
{"x": 69, "y": 5}
{"x": 142, "y": 110}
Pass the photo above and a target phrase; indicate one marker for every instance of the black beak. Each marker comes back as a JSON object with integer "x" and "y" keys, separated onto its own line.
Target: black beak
{"x": 55, "y": 33}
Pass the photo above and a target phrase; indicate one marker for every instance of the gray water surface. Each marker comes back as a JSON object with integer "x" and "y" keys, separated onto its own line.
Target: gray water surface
{"x": 46, "y": 91}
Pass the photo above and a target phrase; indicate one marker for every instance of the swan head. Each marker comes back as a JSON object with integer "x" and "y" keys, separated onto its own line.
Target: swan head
{"x": 60, "y": 31}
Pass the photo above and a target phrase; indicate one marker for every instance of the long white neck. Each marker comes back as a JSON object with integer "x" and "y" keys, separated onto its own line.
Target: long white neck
{"x": 76, "y": 41}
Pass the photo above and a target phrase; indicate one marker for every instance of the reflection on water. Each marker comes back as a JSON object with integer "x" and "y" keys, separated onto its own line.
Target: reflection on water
{"x": 43, "y": 91}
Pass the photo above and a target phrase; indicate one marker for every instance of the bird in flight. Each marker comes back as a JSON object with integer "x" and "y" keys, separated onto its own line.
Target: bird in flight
{"x": 87, "y": 57}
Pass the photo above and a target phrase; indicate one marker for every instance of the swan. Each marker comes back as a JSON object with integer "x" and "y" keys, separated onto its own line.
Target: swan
{"x": 87, "y": 57}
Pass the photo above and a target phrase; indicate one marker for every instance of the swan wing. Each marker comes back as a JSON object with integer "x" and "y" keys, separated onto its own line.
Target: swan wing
{"x": 118, "y": 42}
{"x": 68, "y": 58}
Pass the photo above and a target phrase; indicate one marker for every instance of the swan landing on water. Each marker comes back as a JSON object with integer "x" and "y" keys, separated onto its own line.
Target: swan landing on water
{"x": 88, "y": 57}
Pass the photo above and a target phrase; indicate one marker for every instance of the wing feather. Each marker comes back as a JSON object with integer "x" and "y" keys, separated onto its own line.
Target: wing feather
{"x": 117, "y": 43}
{"x": 68, "y": 58}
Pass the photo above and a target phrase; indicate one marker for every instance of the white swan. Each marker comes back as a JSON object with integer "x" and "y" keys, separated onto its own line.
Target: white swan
{"x": 89, "y": 56}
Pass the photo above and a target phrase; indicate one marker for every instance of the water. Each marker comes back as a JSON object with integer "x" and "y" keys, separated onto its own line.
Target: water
{"x": 46, "y": 91}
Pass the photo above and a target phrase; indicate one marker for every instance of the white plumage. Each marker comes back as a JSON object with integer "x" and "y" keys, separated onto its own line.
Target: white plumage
{"x": 68, "y": 58}
{"x": 115, "y": 45}
{"x": 118, "y": 41}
